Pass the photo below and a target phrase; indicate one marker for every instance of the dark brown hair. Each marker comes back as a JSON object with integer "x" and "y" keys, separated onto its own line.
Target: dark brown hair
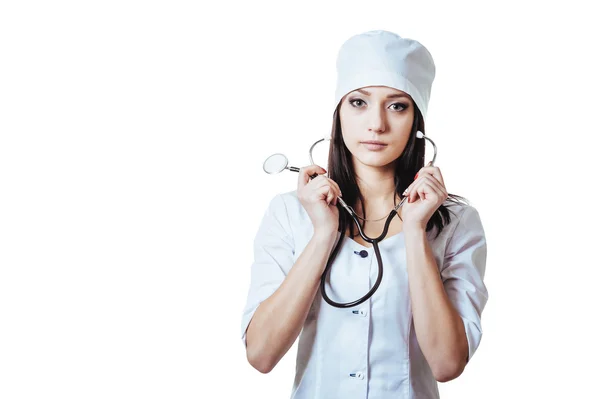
{"x": 412, "y": 159}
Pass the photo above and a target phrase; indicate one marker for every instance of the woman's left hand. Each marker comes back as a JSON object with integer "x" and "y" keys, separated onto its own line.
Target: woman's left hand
{"x": 425, "y": 195}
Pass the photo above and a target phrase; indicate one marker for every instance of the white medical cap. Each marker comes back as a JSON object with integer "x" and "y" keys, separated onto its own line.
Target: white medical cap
{"x": 382, "y": 58}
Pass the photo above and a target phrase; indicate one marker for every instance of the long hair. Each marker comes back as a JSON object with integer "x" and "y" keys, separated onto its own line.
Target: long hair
{"x": 412, "y": 159}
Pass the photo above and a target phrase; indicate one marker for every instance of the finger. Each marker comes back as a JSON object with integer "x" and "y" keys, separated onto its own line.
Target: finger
{"x": 421, "y": 195}
{"x": 427, "y": 188}
{"x": 420, "y": 173}
{"x": 413, "y": 191}
{"x": 433, "y": 187}
{"x": 424, "y": 177}
{"x": 410, "y": 190}
{"x": 306, "y": 172}
{"x": 321, "y": 180}
{"x": 330, "y": 182}
{"x": 339, "y": 191}
{"x": 331, "y": 195}
{"x": 422, "y": 190}
{"x": 433, "y": 171}
{"x": 318, "y": 182}
{"x": 437, "y": 174}
{"x": 434, "y": 182}
{"x": 323, "y": 193}
{"x": 416, "y": 185}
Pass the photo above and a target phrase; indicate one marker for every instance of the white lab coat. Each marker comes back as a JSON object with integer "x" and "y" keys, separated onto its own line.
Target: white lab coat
{"x": 369, "y": 350}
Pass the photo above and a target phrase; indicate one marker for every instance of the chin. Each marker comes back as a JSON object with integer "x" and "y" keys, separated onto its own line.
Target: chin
{"x": 376, "y": 161}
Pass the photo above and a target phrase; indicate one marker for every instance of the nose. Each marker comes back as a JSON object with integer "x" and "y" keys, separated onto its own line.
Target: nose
{"x": 377, "y": 120}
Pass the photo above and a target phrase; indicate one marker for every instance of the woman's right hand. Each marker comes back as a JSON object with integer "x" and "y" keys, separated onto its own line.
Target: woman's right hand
{"x": 319, "y": 198}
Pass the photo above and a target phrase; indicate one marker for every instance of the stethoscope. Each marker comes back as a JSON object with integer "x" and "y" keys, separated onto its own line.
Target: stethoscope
{"x": 278, "y": 162}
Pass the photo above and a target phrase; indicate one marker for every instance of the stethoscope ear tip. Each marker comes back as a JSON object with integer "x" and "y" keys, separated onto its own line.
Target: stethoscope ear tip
{"x": 420, "y": 134}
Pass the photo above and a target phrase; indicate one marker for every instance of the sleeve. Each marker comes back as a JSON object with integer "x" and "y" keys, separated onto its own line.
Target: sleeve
{"x": 463, "y": 271}
{"x": 273, "y": 258}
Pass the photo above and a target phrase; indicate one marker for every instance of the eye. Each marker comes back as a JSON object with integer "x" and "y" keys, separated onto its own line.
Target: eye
{"x": 355, "y": 100}
{"x": 404, "y": 106}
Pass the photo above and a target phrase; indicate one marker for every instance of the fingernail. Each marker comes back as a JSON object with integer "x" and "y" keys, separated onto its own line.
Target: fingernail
{"x": 417, "y": 175}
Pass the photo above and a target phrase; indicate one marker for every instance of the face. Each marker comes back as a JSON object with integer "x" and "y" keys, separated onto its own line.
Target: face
{"x": 376, "y": 113}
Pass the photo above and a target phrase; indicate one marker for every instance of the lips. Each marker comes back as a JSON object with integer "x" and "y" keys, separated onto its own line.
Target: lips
{"x": 373, "y": 142}
{"x": 373, "y": 146}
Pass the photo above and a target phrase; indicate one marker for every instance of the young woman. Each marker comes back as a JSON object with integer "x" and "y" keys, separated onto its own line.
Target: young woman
{"x": 423, "y": 323}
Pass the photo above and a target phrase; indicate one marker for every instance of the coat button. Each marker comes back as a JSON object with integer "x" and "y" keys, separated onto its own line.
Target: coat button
{"x": 361, "y": 312}
{"x": 363, "y": 253}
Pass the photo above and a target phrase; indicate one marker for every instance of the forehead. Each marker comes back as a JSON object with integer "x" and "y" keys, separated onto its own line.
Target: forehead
{"x": 384, "y": 91}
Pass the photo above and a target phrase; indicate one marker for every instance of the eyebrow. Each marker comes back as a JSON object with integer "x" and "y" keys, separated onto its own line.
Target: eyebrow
{"x": 395, "y": 95}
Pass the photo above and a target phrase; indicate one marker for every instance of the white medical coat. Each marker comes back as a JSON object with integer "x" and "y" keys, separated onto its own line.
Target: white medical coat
{"x": 369, "y": 350}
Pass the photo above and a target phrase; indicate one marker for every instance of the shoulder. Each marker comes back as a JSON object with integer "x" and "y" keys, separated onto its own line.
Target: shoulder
{"x": 465, "y": 222}
{"x": 295, "y": 211}
{"x": 290, "y": 197}
{"x": 297, "y": 221}
{"x": 286, "y": 208}
{"x": 461, "y": 216}
{"x": 459, "y": 210}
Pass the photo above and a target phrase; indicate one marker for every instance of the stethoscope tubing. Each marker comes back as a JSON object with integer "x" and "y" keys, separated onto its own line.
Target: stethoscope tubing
{"x": 374, "y": 241}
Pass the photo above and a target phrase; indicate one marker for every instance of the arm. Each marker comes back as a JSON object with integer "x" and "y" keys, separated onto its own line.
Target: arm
{"x": 439, "y": 328}
{"x": 445, "y": 319}
{"x": 279, "y": 319}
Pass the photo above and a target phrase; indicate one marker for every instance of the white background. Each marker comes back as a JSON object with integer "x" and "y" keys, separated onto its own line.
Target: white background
{"x": 131, "y": 183}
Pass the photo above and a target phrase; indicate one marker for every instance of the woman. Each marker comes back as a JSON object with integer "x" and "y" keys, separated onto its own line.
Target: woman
{"x": 423, "y": 324}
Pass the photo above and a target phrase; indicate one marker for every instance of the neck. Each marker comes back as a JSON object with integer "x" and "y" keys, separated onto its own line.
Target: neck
{"x": 378, "y": 189}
